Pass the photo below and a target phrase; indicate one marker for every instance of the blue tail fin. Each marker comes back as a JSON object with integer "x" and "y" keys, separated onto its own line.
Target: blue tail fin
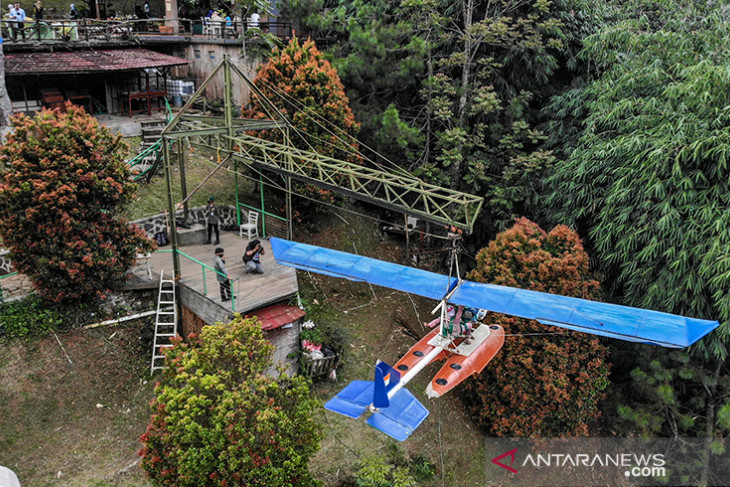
{"x": 398, "y": 416}
{"x": 386, "y": 377}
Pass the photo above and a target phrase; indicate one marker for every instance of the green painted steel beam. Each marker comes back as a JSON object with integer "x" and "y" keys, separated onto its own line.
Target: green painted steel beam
{"x": 395, "y": 191}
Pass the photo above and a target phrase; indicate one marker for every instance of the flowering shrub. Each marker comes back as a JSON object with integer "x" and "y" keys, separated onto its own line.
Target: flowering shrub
{"x": 548, "y": 384}
{"x": 314, "y": 101}
{"x": 219, "y": 421}
{"x": 65, "y": 180}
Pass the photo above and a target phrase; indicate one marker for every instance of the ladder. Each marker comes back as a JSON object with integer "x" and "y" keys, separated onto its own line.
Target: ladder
{"x": 165, "y": 322}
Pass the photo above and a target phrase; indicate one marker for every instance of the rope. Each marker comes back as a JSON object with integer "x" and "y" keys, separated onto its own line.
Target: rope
{"x": 312, "y": 114}
{"x": 441, "y": 450}
{"x": 338, "y": 438}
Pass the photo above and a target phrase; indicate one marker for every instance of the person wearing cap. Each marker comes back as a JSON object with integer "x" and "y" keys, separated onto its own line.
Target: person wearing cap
{"x": 222, "y": 275}
{"x": 212, "y": 216}
{"x": 252, "y": 259}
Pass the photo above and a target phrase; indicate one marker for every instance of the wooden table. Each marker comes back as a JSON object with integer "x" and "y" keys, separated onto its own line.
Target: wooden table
{"x": 147, "y": 96}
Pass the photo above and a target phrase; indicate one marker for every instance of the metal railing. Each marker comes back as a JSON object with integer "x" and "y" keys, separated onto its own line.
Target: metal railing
{"x": 214, "y": 29}
{"x": 86, "y": 30}
{"x": 148, "y": 159}
{"x": 65, "y": 30}
{"x": 263, "y": 213}
{"x": 204, "y": 268}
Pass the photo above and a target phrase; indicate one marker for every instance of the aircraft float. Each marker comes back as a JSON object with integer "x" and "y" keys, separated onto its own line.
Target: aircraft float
{"x": 393, "y": 409}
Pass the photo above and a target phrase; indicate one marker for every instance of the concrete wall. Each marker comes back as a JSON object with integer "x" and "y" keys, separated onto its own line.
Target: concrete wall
{"x": 204, "y": 56}
{"x": 198, "y": 311}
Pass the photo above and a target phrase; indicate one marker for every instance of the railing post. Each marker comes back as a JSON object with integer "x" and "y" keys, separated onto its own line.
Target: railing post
{"x": 233, "y": 295}
{"x": 205, "y": 284}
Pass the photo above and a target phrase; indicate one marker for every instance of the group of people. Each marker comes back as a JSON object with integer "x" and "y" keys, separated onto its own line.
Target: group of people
{"x": 251, "y": 255}
{"x": 16, "y": 15}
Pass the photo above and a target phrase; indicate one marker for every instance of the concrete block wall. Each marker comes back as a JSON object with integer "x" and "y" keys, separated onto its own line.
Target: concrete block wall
{"x": 151, "y": 225}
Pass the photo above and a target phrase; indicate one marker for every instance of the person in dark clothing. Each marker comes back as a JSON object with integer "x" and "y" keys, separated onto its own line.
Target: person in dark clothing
{"x": 212, "y": 215}
{"x": 252, "y": 259}
{"x": 73, "y": 13}
{"x": 222, "y": 275}
{"x": 38, "y": 11}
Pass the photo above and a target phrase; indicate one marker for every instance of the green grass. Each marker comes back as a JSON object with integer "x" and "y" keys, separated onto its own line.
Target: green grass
{"x": 152, "y": 197}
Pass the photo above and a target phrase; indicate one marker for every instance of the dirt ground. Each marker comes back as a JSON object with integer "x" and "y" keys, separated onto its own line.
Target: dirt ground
{"x": 78, "y": 424}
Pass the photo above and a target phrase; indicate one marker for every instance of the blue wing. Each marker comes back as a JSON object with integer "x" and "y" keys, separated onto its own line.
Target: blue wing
{"x": 610, "y": 320}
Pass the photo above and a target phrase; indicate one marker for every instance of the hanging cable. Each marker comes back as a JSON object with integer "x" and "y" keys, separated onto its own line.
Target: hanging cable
{"x": 272, "y": 184}
{"x": 316, "y": 118}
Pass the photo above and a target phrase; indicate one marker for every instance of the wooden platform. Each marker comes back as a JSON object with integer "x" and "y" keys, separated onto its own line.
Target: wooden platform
{"x": 252, "y": 291}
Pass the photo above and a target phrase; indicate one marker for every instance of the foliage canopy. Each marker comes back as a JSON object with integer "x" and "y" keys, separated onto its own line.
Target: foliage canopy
{"x": 549, "y": 384}
{"x": 647, "y": 178}
{"x": 219, "y": 420}
{"x": 305, "y": 88}
{"x": 65, "y": 180}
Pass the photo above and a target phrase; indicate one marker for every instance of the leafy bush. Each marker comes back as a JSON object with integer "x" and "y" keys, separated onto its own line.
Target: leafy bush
{"x": 376, "y": 471}
{"x": 64, "y": 182}
{"x": 421, "y": 469}
{"x": 26, "y": 318}
{"x": 313, "y": 335}
{"x": 547, "y": 385}
{"x": 220, "y": 421}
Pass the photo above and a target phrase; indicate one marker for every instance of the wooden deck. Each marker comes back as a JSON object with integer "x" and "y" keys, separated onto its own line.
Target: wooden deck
{"x": 252, "y": 291}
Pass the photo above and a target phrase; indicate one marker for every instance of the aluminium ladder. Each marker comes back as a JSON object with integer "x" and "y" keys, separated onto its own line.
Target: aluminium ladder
{"x": 165, "y": 322}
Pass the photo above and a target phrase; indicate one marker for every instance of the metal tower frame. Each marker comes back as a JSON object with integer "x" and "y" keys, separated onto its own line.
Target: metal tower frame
{"x": 227, "y": 135}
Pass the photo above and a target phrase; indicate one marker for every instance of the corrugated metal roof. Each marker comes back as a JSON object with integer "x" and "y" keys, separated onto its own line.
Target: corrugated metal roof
{"x": 79, "y": 62}
{"x": 276, "y": 316}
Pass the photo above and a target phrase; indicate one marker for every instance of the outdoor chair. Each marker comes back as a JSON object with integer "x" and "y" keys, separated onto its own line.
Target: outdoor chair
{"x": 252, "y": 227}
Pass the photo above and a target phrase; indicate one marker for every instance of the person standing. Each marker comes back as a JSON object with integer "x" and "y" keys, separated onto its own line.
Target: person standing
{"x": 11, "y": 19}
{"x": 253, "y": 21}
{"x": 72, "y": 13}
{"x": 252, "y": 257}
{"x": 222, "y": 275}
{"x": 212, "y": 216}
{"x": 38, "y": 11}
{"x": 147, "y": 12}
{"x": 20, "y": 20}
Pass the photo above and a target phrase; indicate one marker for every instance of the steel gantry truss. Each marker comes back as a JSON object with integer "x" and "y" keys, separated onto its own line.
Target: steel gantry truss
{"x": 396, "y": 190}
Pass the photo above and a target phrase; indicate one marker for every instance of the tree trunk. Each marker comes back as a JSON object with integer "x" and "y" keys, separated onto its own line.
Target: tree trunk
{"x": 468, "y": 7}
{"x": 709, "y": 428}
{"x": 429, "y": 63}
{"x": 6, "y": 108}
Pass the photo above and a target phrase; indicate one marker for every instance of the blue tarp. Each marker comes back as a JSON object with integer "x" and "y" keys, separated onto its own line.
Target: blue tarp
{"x": 611, "y": 320}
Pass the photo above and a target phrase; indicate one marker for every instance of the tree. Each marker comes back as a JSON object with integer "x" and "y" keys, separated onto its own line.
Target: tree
{"x": 305, "y": 88}
{"x": 64, "y": 183}
{"x": 647, "y": 179}
{"x": 549, "y": 384}
{"x": 219, "y": 420}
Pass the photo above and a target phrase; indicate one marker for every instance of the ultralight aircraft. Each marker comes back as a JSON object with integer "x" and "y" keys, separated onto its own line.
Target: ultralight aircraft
{"x": 394, "y": 410}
